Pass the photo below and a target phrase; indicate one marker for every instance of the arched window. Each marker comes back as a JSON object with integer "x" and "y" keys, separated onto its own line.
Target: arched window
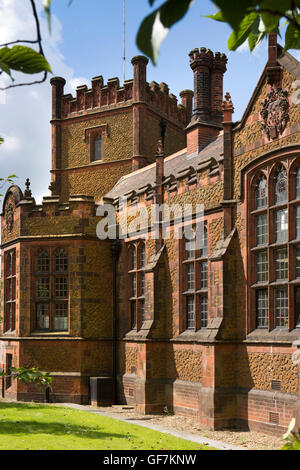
{"x": 132, "y": 256}
{"x": 195, "y": 287}
{"x": 275, "y": 282}
{"x": 137, "y": 264}
{"x": 52, "y": 290}
{"x": 261, "y": 193}
{"x": 280, "y": 186}
{"x": 61, "y": 261}
{"x": 43, "y": 261}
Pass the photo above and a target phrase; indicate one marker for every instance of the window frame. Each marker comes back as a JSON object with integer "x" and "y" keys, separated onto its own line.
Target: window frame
{"x": 274, "y": 244}
{"x": 198, "y": 292}
{"x": 136, "y": 299}
{"x": 10, "y": 291}
{"x": 52, "y": 300}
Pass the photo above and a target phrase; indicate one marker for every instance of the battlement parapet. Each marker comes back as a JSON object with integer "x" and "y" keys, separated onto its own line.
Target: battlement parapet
{"x": 97, "y": 97}
{"x": 205, "y": 57}
{"x": 102, "y": 97}
{"x": 77, "y": 206}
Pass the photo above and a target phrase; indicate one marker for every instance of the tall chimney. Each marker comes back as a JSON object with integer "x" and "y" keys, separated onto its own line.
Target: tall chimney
{"x": 139, "y": 111}
{"x": 57, "y": 84}
{"x": 206, "y": 122}
{"x": 273, "y": 68}
{"x": 187, "y": 101}
{"x": 216, "y": 90}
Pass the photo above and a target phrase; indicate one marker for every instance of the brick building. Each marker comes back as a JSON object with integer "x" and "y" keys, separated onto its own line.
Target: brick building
{"x": 207, "y": 332}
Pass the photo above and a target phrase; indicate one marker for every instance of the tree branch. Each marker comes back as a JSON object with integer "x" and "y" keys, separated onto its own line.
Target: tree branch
{"x": 38, "y": 41}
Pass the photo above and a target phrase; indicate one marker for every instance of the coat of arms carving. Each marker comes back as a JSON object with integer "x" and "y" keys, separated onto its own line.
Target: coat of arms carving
{"x": 275, "y": 112}
{"x": 9, "y": 218}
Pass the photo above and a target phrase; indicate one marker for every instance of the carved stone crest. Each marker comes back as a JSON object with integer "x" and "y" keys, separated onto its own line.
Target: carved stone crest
{"x": 275, "y": 112}
{"x": 9, "y": 217}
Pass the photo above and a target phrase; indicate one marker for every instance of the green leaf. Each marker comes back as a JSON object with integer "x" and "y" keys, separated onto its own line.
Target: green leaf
{"x": 276, "y": 5}
{"x": 233, "y": 11}
{"x": 271, "y": 22}
{"x": 255, "y": 36}
{"x": 237, "y": 38}
{"x": 155, "y": 26}
{"x": 292, "y": 37}
{"x": 217, "y": 17}
{"x": 1, "y": 140}
{"x": 24, "y": 59}
{"x": 5, "y": 68}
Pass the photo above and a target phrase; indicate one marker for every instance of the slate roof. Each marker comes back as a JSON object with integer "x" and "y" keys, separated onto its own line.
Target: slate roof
{"x": 174, "y": 165}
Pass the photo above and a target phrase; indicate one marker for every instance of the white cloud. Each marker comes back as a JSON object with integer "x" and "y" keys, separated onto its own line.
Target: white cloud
{"x": 11, "y": 143}
{"x": 26, "y": 112}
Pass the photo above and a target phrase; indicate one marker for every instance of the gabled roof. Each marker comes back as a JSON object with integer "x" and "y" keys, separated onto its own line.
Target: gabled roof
{"x": 174, "y": 165}
{"x": 287, "y": 61}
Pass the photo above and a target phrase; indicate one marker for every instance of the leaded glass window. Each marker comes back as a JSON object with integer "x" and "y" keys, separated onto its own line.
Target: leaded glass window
{"x": 261, "y": 193}
{"x": 52, "y": 290}
{"x": 281, "y": 225}
{"x": 261, "y": 229}
{"x": 262, "y": 308}
{"x": 281, "y": 264}
{"x": 190, "y": 308}
{"x": 297, "y": 222}
{"x": 280, "y": 187}
{"x": 297, "y": 183}
{"x": 262, "y": 266}
{"x": 281, "y": 307}
{"x": 204, "y": 310}
{"x": 43, "y": 262}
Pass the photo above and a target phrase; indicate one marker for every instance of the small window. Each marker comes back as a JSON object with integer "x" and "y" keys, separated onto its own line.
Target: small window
{"x": 97, "y": 148}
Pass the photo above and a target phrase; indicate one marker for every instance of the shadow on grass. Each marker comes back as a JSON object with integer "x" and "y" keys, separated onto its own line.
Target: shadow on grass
{"x": 57, "y": 429}
{"x": 14, "y": 427}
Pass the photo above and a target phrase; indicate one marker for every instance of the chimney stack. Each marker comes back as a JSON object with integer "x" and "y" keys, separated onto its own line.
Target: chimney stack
{"x": 207, "y": 116}
{"x": 273, "y": 68}
{"x": 139, "y": 111}
{"x": 57, "y": 84}
{"x": 187, "y": 101}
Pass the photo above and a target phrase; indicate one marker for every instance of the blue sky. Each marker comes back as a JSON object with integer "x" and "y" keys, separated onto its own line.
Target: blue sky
{"x": 86, "y": 41}
{"x": 92, "y": 45}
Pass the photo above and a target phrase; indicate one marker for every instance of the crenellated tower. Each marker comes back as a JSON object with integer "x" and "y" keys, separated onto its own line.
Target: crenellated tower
{"x": 108, "y": 130}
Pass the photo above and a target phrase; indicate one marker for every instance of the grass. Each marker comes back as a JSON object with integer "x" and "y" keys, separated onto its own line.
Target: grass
{"x": 43, "y": 427}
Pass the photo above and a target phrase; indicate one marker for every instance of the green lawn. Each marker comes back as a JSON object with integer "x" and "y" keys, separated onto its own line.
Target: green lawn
{"x": 38, "y": 427}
